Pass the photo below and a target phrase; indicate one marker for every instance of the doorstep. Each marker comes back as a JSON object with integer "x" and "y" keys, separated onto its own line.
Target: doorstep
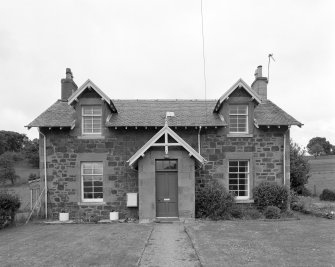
{"x": 167, "y": 220}
{"x": 59, "y": 222}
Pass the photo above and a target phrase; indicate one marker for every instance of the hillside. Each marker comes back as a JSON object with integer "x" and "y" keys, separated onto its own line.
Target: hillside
{"x": 322, "y": 174}
{"x": 21, "y": 187}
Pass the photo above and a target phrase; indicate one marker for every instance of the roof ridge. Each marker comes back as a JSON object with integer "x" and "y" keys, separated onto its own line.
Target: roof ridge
{"x": 164, "y": 99}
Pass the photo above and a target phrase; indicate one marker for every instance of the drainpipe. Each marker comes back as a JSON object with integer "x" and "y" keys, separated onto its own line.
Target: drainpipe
{"x": 284, "y": 156}
{"x": 45, "y": 173}
{"x": 199, "y": 140}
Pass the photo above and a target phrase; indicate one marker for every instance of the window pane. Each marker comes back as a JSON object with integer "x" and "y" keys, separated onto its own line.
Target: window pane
{"x": 166, "y": 165}
{"x": 87, "y": 189}
{"x": 97, "y": 110}
{"x": 88, "y": 195}
{"x": 87, "y": 183}
{"x": 238, "y": 118}
{"x": 97, "y": 195}
{"x": 233, "y": 169}
{"x": 233, "y": 181}
{"x": 242, "y": 169}
{"x": 97, "y": 189}
{"x": 97, "y": 183}
{"x": 243, "y": 181}
{"x": 242, "y": 193}
{"x": 87, "y": 110}
{"x": 92, "y": 180}
{"x": 242, "y": 187}
{"x": 232, "y": 187}
{"x": 238, "y": 177}
{"x": 243, "y": 163}
{"x": 242, "y": 109}
{"x": 159, "y": 165}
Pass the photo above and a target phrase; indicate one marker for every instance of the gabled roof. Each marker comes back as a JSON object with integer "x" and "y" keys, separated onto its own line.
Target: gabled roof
{"x": 238, "y": 84}
{"x": 60, "y": 114}
{"x": 267, "y": 113}
{"x": 166, "y": 130}
{"x": 152, "y": 113}
{"x": 89, "y": 84}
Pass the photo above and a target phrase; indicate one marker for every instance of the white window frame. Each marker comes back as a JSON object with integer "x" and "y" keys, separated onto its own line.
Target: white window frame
{"x": 92, "y": 115}
{"x": 82, "y": 181}
{"x": 237, "y": 114}
{"x": 238, "y": 172}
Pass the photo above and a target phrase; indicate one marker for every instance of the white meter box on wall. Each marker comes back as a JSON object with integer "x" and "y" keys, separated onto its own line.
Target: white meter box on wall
{"x": 131, "y": 199}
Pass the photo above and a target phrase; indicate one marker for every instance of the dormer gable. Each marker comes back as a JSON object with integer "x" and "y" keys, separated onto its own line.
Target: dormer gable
{"x": 89, "y": 85}
{"x": 239, "y": 88}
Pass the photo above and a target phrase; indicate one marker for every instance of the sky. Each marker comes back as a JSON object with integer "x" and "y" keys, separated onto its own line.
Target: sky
{"x": 152, "y": 49}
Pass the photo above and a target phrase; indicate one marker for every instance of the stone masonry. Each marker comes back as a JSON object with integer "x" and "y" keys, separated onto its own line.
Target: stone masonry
{"x": 65, "y": 152}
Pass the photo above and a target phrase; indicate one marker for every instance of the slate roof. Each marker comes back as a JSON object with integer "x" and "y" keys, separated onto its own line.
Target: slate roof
{"x": 268, "y": 113}
{"x": 153, "y": 112}
{"x": 60, "y": 114}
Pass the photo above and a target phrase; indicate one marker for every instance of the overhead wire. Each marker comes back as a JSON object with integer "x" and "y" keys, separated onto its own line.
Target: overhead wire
{"x": 203, "y": 54}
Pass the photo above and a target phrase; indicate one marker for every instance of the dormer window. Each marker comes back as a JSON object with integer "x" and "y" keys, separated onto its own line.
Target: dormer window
{"x": 91, "y": 119}
{"x": 238, "y": 119}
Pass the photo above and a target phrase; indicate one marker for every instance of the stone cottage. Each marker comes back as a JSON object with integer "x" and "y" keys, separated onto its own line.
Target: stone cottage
{"x": 146, "y": 158}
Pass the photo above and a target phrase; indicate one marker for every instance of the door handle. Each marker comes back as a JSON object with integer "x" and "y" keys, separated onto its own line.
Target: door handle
{"x": 166, "y": 199}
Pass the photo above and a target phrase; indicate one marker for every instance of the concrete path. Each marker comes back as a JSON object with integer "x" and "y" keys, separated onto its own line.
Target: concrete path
{"x": 169, "y": 245}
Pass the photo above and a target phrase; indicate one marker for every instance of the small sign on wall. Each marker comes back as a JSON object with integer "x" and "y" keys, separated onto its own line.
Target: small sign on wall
{"x": 131, "y": 199}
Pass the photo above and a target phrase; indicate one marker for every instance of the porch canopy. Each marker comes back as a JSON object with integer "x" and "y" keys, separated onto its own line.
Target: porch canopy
{"x": 166, "y": 138}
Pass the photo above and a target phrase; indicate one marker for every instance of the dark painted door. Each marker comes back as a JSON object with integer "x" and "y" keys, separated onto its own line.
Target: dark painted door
{"x": 166, "y": 188}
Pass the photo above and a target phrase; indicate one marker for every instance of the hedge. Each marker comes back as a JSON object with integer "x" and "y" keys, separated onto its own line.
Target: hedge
{"x": 9, "y": 205}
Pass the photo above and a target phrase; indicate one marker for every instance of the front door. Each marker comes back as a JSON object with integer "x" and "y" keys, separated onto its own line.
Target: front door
{"x": 166, "y": 188}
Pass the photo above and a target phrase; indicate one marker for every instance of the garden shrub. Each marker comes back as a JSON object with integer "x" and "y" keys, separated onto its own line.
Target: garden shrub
{"x": 242, "y": 212}
{"x": 327, "y": 195}
{"x": 272, "y": 212}
{"x": 305, "y": 192}
{"x": 8, "y": 207}
{"x": 213, "y": 201}
{"x": 252, "y": 213}
{"x": 237, "y": 211}
{"x": 33, "y": 177}
{"x": 271, "y": 194}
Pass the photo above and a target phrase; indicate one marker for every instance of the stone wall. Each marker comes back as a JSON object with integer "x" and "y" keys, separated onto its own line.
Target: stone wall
{"x": 264, "y": 150}
{"x": 64, "y": 155}
{"x": 65, "y": 152}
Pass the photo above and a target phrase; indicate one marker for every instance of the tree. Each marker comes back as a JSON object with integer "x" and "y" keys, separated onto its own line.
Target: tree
{"x": 11, "y": 141}
{"x": 321, "y": 141}
{"x": 299, "y": 168}
{"x": 316, "y": 150}
{"x": 7, "y": 171}
{"x": 31, "y": 152}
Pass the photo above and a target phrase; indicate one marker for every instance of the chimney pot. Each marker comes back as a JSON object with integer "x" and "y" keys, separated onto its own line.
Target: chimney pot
{"x": 69, "y": 73}
{"x": 68, "y": 85}
{"x": 260, "y": 83}
{"x": 258, "y": 72}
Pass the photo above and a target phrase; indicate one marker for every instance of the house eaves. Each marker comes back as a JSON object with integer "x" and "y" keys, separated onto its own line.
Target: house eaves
{"x": 238, "y": 84}
{"x": 90, "y": 85}
{"x": 152, "y": 142}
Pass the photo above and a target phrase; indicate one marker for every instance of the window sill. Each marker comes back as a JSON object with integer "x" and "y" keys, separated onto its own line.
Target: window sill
{"x": 91, "y": 203}
{"x": 91, "y": 137}
{"x": 244, "y": 201}
{"x": 239, "y": 135}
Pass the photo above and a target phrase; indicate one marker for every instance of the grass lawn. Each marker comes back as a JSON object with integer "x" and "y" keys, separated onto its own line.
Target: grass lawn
{"x": 307, "y": 242}
{"x": 73, "y": 244}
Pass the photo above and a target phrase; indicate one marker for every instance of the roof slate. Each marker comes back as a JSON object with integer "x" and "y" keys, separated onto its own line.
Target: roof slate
{"x": 268, "y": 113}
{"x": 60, "y": 114}
{"x": 152, "y": 113}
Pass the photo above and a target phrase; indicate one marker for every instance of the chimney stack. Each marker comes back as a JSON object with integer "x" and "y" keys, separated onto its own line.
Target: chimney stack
{"x": 260, "y": 83}
{"x": 68, "y": 85}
